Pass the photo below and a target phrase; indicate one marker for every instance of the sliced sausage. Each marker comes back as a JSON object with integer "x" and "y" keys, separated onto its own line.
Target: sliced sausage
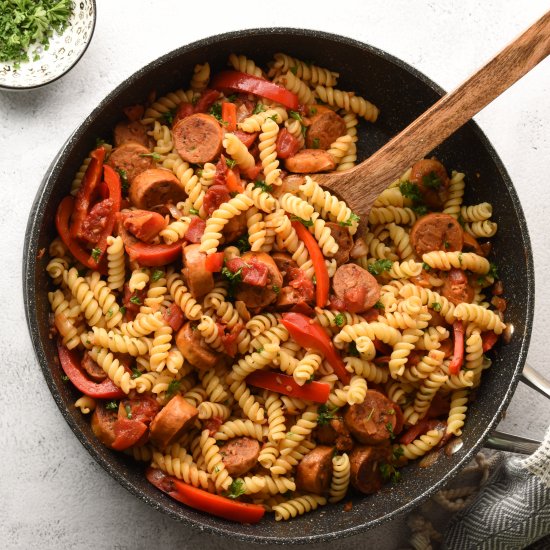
{"x": 291, "y": 184}
{"x": 314, "y": 472}
{"x": 255, "y": 296}
{"x": 240, "y": 455}
{"x": 335, "y": 433}
{"x": 456, "y": 288}
{"x": 310, "y": 161}
{"x": 285, "y": 263}
{"x": 199, "y": 280}
{"x": 94, "y": 371}
{"x": 198, "y": 138}
{"x": 437, "y": 320}
{"x": 471, "y": 245}
{"x": 103, "y": 424}
{"x": 234, "y": 228}
{"x": 369, "y": 421}
{"x": 356, "y": 287}
{"x": 155, "y": 187}
{"x": 436, "y": 232}
{"x": 324, "y": 129}
{"x": 194, "y": 349}
{"x": 365, "y": 463}
{"x": 129, "y": 157}
{"x": 125, "y": 132}
{"x": 432, "y": 180}
{"x": 172, "y": 421}
{"x": 344, "y": 241}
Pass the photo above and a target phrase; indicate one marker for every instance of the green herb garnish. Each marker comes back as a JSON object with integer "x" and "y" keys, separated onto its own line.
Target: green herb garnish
{"x": 260, "y": 108}
{"x": 123, "y": 310}
{"x": 231, "y": 163}
{"x": 232, "y": 98}
{"x": 315, "y": 143}
{"x": 295, "y": 115}
{"x": 136, "y": 373}
{"x": 128, "y": 410}
{"x": 411, "y": 191}
{"x": 242, "y": 244}
{"x": 431, "y": 181}
{"x": 389, "y": 427}
{"x": 398, "y": 452}
{"x": 173, "y": 387}
{"x": 96, "y": 253}
{"x": 157, "y": 274}
{"x": 436, "y": 306}
{"x": 325, "y": 415}
{"x": 216, "y": 112}
{"x": 426, "y": 267}
{"x": 236, "y": 489}
{"x": 193, "y": 212}
{"x": 420, "y": 209}
{"x": 168, "y": 116}
{"x": 493, "y": 270}
{"x": 232, "y": 277}
{"x": 339, "y": 320}
{"x": 276, "y": 289}
{"x": 263, "y": 186}
{"x": 135, "y": 299}
{"x": 293, "y": 70}
{"x": 389, "y": 472}
{"x": 125, "y": 185}
{"x": 65, "y": 378}
{"x": 378, "y": 305}
{"x": 379, "y": 266}
{"x": 352, "y": 349}
{"x": 353, "y": 218}
{"x": 307, "y": 223}
{"x": 112, "y": 406}
{"x": 155, "y": 156}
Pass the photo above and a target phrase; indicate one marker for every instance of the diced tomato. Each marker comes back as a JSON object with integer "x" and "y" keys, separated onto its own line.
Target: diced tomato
{"x": 233, "y": 180}
{"x": 229, "y": 116}
{"x": 214, "y": 197}
{"x": 102, "y": 191}
{"x": 206, "y": 100}
{"x": 287, "y": 145}
{"x": 299, "y": 281}
{"x": 141, "y": 407}
{"x": 247, "y": 138}
{"x": 212, "y": 425}
{"x": 96, "y": 220}
{"x": 229, "y": 339}
{"x": 254, "y": 273}
{"x": 127, "y": 433}
{"x": 133, "y": 300}
{"x": 221, "y": 172}
{"x": 252, "y": 173}
{"x": 184, "y": 110}
{"x": 144, "y": 224}
{"x": 134, "y": 112}
{"x": 382, "y": 348}
{"x": 173, "y": 315}
{"x": 195, "y": 230}
{"x": 214, "y": 262}
{"x": 489, "y": 339}
{"x": 415, "y": 432}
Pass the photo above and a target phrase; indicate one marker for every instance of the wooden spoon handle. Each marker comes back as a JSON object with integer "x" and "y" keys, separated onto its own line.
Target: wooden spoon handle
{"x": 448, "y": 114}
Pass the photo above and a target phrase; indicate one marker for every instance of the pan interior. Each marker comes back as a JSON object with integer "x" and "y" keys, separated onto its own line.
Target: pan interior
{"x": 402, "y": 94}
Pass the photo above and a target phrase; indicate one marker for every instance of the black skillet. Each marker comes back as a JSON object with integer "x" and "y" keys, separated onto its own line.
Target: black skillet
{"x": 402, "y": 93}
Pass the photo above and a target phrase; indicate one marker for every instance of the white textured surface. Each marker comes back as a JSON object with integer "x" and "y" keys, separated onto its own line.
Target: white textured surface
{"x": 53, "y": 494}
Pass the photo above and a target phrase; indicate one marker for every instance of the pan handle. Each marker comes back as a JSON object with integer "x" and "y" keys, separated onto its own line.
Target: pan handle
{"x": 511, "y": 443}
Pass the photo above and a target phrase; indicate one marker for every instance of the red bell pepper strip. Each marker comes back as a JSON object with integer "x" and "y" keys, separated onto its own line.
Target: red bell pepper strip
{"x": 127, "y": 433}
{"x": 242, "y": 82}
{"x": 62, "y": 217}
{"x": 112, "y": 179}
{"x": 281, "y": 383}
{"x": 229, "y": 116}
{"x": 70, "y": 363}
{"x": 458, "y": 353}
{"x": 489, "y": 339}
{"x": 233, "y": 181}
{"x": 311, "y": 335}
{"x": 91, "y": 180}
{"x": 321, "y": 272}
{"x": 204, "y": 501}
{"x": 214, "y": 262}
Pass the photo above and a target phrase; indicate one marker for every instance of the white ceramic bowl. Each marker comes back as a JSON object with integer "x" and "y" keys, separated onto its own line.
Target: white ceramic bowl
{"x": 62, "y": 55}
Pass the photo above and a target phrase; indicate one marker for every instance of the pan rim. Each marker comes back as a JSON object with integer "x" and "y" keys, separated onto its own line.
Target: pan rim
{"x": 30, "y": 291}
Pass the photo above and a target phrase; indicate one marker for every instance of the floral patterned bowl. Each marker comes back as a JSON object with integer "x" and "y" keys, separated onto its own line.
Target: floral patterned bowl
{"x": 62, "y": 55}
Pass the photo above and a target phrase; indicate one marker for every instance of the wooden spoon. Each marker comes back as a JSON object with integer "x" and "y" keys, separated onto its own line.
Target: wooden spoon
{"x": 361, "y": 185}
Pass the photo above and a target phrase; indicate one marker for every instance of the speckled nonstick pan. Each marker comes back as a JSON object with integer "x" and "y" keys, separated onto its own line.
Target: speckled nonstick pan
{"x": 402, "y": 93}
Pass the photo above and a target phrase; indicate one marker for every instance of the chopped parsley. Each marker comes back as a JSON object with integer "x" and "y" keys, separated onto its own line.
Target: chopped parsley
{"x": 274, "y": 118}
{"x": 389, "y": 427}
{"x": 353, "y": 218}
{"x": 112, "y": 406}
{"x": 216, "y": 112}
{"x": 232, "y": 98}
{"x": 125, "y": 185}
{"x": 173, "y": 387}
{"x": 310, "y": 379}
{"x": 431, "y": 181}
{"x": 420, "y": 209}
{"x": 99, "y": 142}
{"x": 96, "y": 253}
{"x": 276, "y": 289}
{"x": 242, "y": 244}
{"x": 28, "y": 25}
{"x": 110, "y": 312}
{"x": 398, "y": 452}
{"x": 460, "y": 258}
{"x": 389, "y": 472}
{"x": 370, "y": 415}
{"x": 378, "y": 305}
{"x": 263, "y": 186}
{"x": 123, "y": 310}
{"x": 154, "y": 156}
{"x": 352, "y": 349}
{"x": 307, "y": 223}
{"x": 236, "y": 489}
{"x": 232, "y": 277}
{"x": 411, "y": 191}
{"x": 293, "y": 70}
{"x": 193, "y": 212}
{"x": 65, "y": 378}
{"x": 313, "y": 111}
{"x": 136, "y": 373}
{"x": 436, "y": 306}
{"x": 259, "y": 350}
{"x": 231, "y": 163}
{"x": 426, "y": 267}
{"x": 379, "y": 266}
{"x": 168, "y": 116}
{"x": 296, "y": 116}
{"x": 135, "y": 299}
{"x": 260, "y": 108}
{"x": 339, "y": 320}
{"x": 157, "y": 274}
{"x": 325, "y": 415}
{"x": 446, "y": 244}
{"x": 128, "y": 410}
{"x": 315, "y": 143}
{"x": 493, "y": 270}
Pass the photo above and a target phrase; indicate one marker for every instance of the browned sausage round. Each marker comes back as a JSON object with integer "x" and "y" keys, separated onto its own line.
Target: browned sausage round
{"x": 336, "y": 434}
{"x": 290, "y": 184}
{"x": 324, "y": 129}
{"x": 256, "y": 296}
{"x": 172, "y": 421}
{"x": 129, "y": 157}
{"x": 198, "y": 138}
{"x": 432, "y": 180}
{"x": 130, "y": 131}
{"x": 456, "y": 288}
{"x": 437, "y": 320}
{"x": 194, "y": 349}
{"x": 344, "y": 241}
{"x": 154, "y": 187}
{"x": 240, "y": 455}
{"x": 369, "y": 421}
{"x": 199, "y": 280}
{"x": 234, "y": 228}
{"x": 94, "y": 371}
{"x": 365, "y": 463}
{"x": 314, "y": 472}
{"x": 436, "y": 232}
{"x": 103, "y": 424}
{"x": 285, "y": 263}
{"x": 356, "y": 286}
{"x": 310, "y": 161}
